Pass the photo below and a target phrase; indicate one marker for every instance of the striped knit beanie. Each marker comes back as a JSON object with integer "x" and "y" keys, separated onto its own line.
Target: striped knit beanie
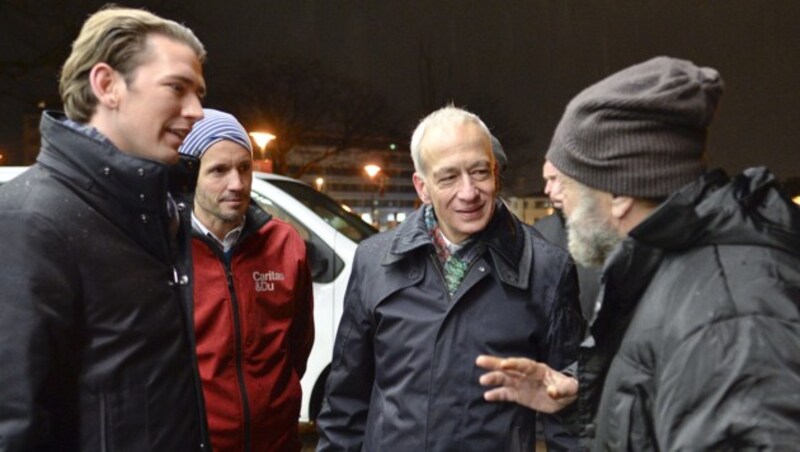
{"x": 215, "y": 126}
{"x": 640, "y": 132}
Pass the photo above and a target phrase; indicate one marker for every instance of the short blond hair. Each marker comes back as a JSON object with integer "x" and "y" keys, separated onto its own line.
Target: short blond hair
{"x": 118, "y": 37}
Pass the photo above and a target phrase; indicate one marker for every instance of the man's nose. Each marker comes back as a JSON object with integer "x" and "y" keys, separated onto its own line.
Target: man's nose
{"x": 235, "y": 181}
{"x": 467, "y": 189}
{"x": 193, "y": 108}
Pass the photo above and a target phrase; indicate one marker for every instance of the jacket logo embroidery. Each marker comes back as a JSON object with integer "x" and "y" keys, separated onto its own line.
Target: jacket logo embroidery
{"x": 265, "y": 282}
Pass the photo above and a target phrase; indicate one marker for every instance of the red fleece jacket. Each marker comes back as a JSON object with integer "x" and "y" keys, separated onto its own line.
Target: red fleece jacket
{"x": 254, "y": 327}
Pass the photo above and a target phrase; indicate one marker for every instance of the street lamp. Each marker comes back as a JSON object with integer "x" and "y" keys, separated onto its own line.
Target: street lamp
{"x": 372, "y": 171}
{"x": 319, "y": 182}
{"x": 262, "y": 139}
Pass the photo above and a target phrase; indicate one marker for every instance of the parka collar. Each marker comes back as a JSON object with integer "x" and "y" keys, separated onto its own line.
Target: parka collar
{"x": 504, "y": 237}
{"x": 747, "y": 209}
{"x": 133, "y": 192}
{"x": 136, "y": 183}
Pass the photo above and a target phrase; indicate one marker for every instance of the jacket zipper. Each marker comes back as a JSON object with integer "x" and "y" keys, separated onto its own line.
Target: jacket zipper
{"x": 237, "y": 332}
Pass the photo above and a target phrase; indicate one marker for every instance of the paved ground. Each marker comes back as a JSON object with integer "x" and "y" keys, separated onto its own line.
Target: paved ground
{"x": 308, "y": 435}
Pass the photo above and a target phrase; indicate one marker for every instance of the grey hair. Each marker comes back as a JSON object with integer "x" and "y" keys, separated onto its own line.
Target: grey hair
{"x": 448, "y": 115}
{"x": 590, "y": 237}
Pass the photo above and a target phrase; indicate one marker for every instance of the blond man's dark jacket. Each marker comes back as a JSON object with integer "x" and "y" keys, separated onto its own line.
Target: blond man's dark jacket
{"x": 94, "y": 341}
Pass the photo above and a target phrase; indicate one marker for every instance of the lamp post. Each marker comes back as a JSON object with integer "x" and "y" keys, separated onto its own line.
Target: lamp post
{"x": 262, "y": 139}
{"x": 373, "y": 171}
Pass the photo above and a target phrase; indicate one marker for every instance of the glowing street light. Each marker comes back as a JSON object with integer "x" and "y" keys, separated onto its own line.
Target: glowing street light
{"x": 796, "y": 200}
{"x": 372, "y": 170}
{"x": 262, "y": 139}
{"x": 319, "y": 182}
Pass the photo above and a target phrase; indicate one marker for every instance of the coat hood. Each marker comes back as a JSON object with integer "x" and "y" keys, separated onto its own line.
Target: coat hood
{"x": 749, "y": 209}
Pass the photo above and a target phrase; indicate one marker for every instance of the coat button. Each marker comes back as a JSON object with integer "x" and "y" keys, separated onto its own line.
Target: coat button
{"x": 181, "y": 206}
{"x": 591, "y": 430}
{"x": 481, "y": 269}
{"x": 140, "y": 171}
{"x": 143, "y": 217}
{"x": 106, "y": 171}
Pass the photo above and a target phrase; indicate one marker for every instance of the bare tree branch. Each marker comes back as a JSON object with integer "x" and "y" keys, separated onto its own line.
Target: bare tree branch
{"x": 307, "y": 105}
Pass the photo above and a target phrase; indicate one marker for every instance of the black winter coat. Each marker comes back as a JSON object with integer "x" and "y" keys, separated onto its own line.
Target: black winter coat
{"x": 95, "y": 347}
{"x": 404, "y": 376}
{"x": 697, "y": 343}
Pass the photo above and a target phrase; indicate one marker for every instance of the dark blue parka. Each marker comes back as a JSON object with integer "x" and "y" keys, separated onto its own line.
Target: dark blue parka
{"x": 404, "y": 375}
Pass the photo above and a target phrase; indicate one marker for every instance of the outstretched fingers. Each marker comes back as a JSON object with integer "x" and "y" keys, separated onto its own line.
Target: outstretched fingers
{"x": 526, "y": 382}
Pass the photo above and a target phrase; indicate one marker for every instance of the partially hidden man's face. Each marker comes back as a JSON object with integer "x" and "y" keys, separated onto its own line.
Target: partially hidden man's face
{"x": 223, "y": 184}
{"x": 157, "y": 109}
{"x": 459, "y": 180}
{"x": 552, "y": 185}
{"x": 591, "y": 235}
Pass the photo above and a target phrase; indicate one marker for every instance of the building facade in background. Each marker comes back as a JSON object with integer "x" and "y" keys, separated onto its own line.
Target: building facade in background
{"x": 382, "y": 197}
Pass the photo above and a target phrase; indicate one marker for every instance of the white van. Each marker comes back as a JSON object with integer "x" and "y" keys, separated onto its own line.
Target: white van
{"x": 331, "y": 234}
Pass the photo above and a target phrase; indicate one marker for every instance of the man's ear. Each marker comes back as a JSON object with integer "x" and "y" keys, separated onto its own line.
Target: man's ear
{"x": 105, "y": 83}
{"x": 421, "y": 187}
{"x": 621, "y": 206}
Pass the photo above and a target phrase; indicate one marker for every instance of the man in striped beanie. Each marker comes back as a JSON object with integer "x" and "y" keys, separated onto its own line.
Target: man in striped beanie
{"x": 253, "y": 313}
{"x": 693, "y": 341}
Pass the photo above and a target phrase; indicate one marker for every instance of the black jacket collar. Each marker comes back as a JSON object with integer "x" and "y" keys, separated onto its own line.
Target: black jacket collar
{"x": 505, "y": 239}
{"x": 130, "y": 191}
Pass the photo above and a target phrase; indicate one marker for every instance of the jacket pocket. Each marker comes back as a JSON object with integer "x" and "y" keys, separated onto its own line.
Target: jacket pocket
{"x": 115, "y": 421}
{"x": 632, "y": 425}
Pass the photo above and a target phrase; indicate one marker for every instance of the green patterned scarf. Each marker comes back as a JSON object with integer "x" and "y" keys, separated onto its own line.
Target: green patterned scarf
{"x": 455, "y": 264}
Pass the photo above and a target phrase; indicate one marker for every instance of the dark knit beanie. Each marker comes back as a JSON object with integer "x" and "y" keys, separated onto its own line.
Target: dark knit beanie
{"x": 640, "y": 132}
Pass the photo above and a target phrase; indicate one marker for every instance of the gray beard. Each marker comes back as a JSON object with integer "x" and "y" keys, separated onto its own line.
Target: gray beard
{"x": 590, "y": 236}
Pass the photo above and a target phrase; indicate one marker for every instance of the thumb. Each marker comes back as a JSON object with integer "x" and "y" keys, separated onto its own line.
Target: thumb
{"x": 553, "y": 392}
{"x": 562, "y": 387}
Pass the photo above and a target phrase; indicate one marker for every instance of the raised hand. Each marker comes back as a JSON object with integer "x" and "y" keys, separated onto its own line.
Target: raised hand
{"x": 526, "y": 382}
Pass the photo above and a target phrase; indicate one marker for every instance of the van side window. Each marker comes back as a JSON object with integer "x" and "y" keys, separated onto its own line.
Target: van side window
{"x": 278, "y": 212}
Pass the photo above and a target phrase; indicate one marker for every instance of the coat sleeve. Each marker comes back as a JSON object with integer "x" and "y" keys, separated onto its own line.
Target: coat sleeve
{"x": 37, "y": 377}
{"x": 566, "y": 331}
{"x": 734, "y": 384}
{"x": 343, "y": 419}
{"x": 301, "y": 335}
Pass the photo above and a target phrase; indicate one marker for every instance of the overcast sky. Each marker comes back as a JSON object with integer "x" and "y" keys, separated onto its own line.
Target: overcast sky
{"x": 526, "y": 59}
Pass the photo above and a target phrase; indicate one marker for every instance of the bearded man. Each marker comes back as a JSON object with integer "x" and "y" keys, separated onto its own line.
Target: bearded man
{"x": 694, "y": 342}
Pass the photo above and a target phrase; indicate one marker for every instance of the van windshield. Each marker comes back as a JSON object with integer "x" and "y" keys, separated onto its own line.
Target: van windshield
{"x": 329, "y": 210}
